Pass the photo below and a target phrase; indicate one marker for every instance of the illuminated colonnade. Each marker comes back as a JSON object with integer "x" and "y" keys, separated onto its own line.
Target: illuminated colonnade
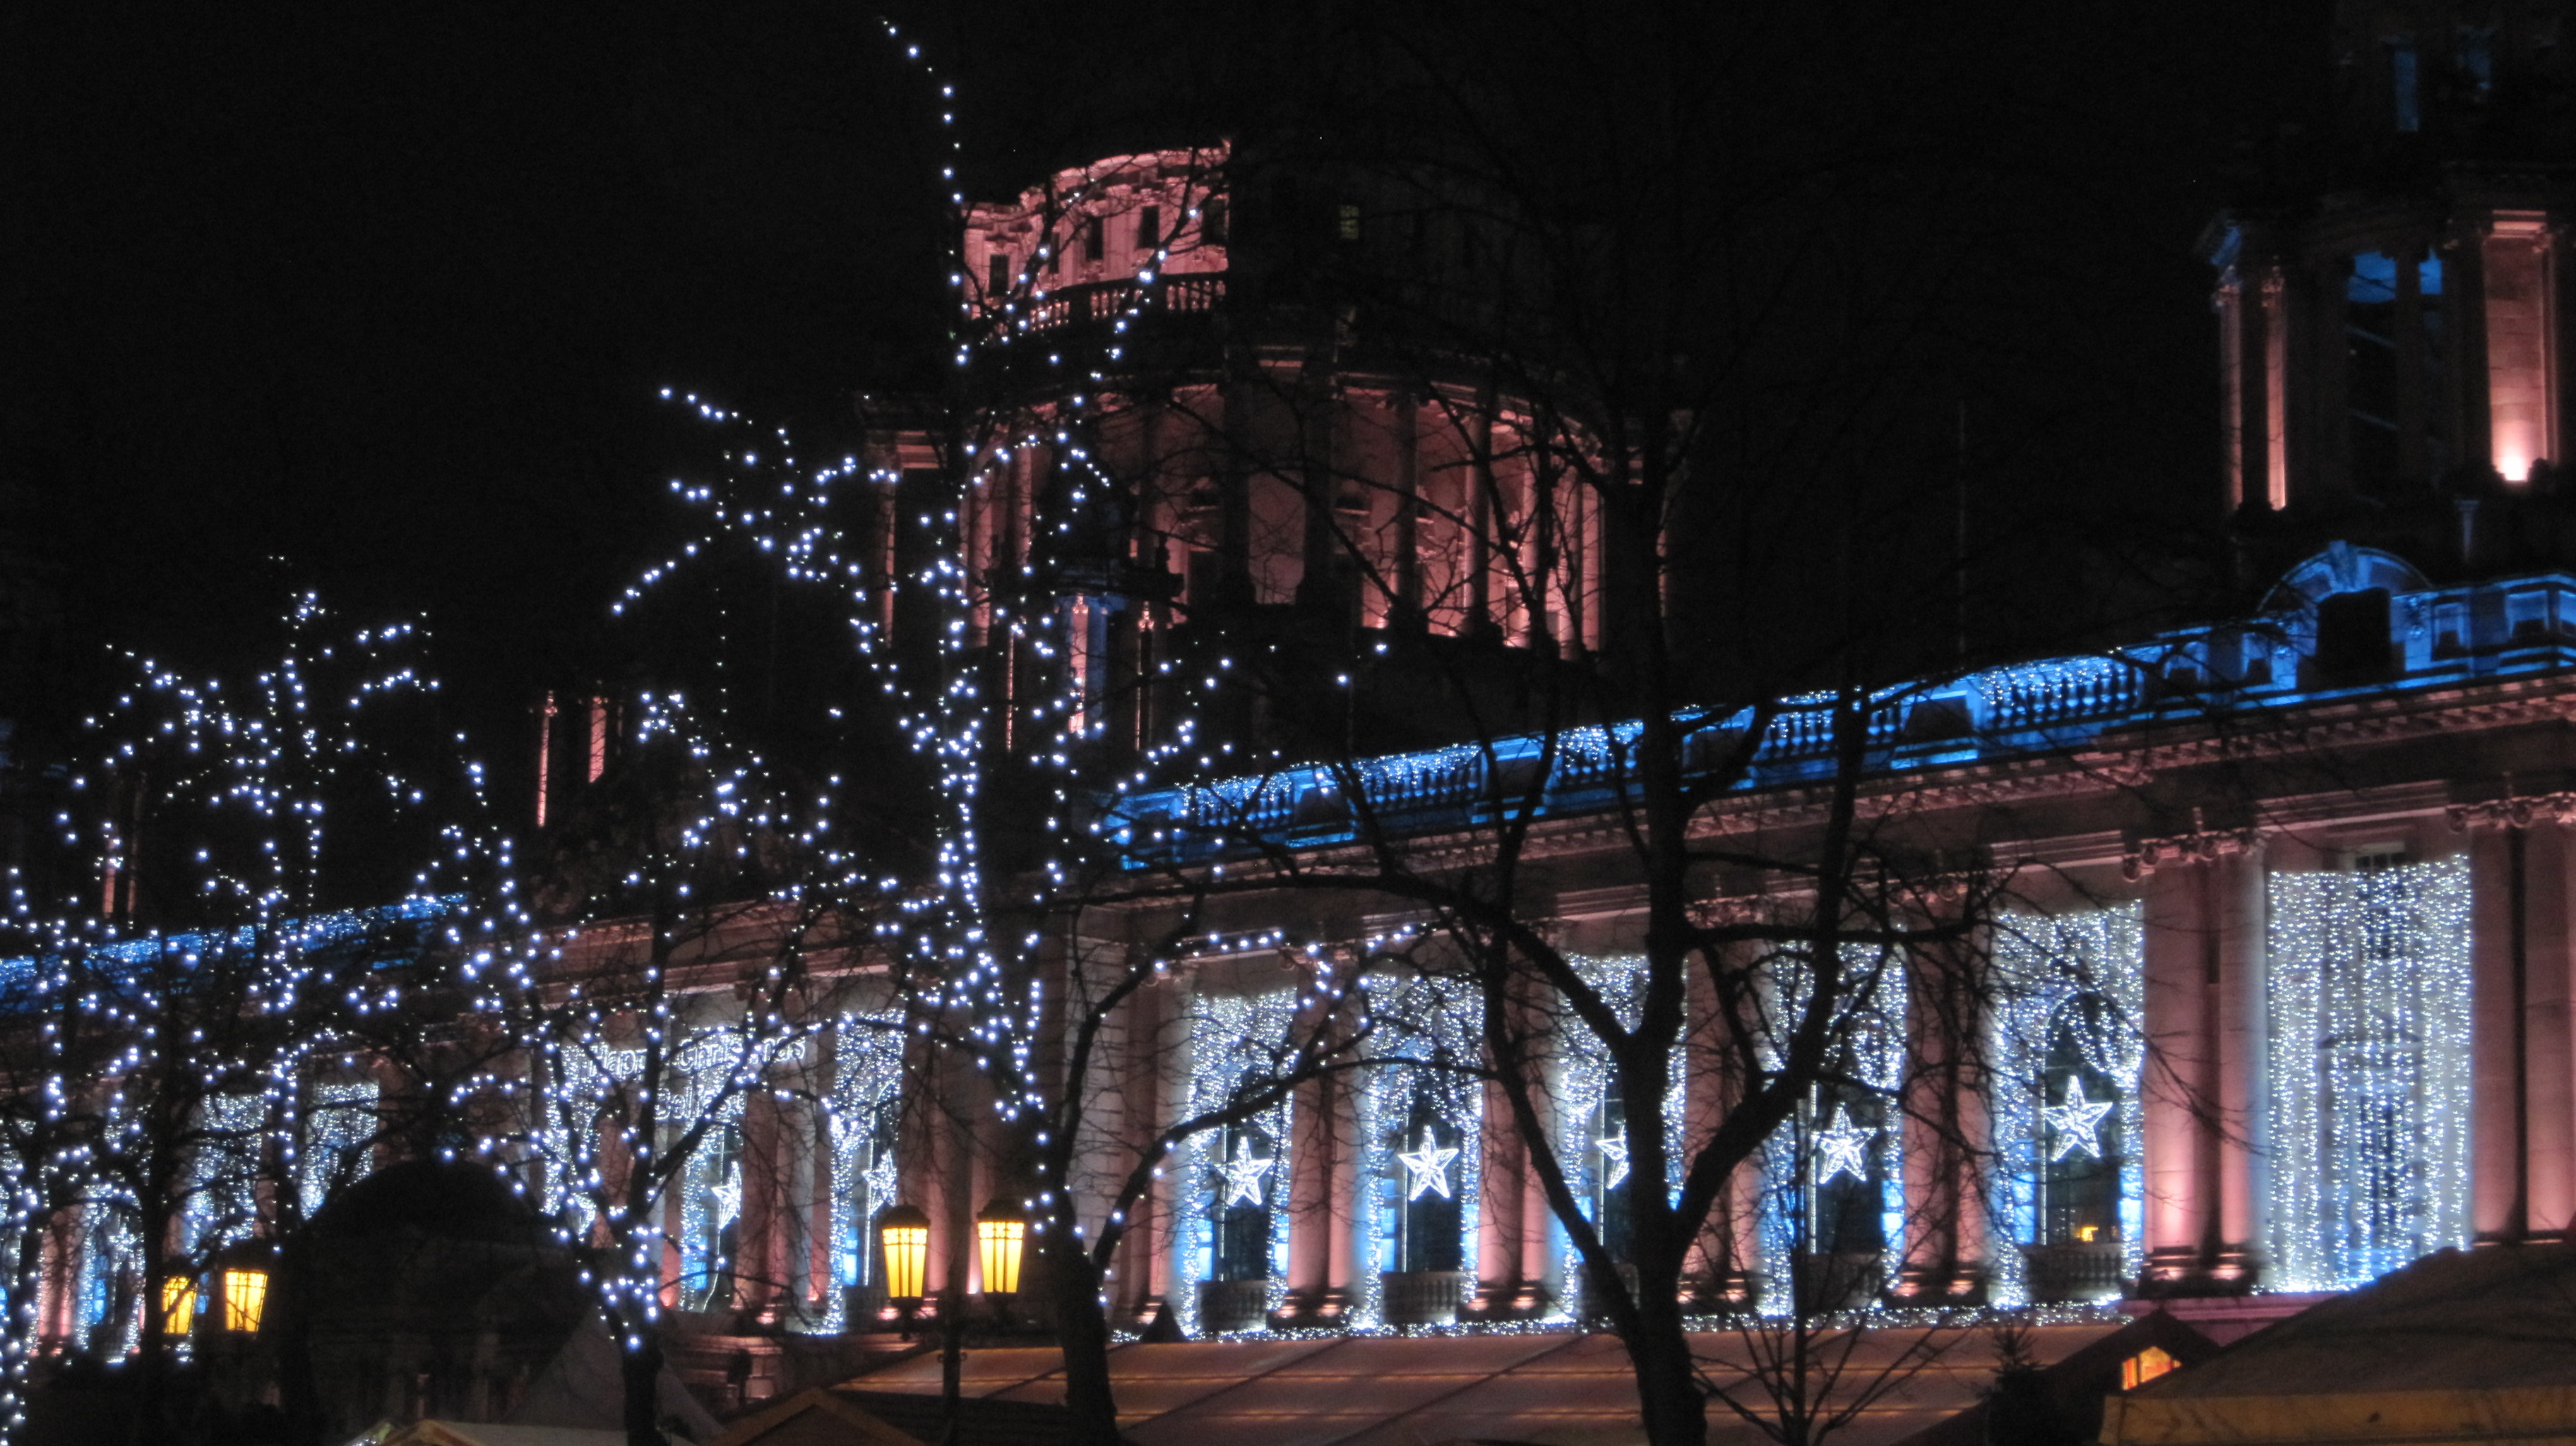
{"x": 2288, "y": 1056}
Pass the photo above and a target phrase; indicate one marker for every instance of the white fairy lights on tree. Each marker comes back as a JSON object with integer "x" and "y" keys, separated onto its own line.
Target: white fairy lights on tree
{"x": 192, "y": 996}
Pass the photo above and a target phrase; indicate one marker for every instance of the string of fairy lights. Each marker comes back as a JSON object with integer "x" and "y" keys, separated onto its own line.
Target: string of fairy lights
{"x": 1234, "y": 1039}
{"x": 1845, "y": 1131}
{"x": 2367, "y": 1126}
{"x": 177, "y": 1063}
{"x": 2368, "y": 1071}
{"x": 1421, "y": 1123}
{"x": 2080, "y": 976}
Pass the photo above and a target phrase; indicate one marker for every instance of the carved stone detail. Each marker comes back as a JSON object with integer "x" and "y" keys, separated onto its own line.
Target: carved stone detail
{"x": 2513, "y": 811}
{"x": 2200, "y": 846}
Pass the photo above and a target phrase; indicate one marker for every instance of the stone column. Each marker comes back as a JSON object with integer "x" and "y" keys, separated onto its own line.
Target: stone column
{"x": 1310, "y": 1176}
{"x": 2241, "y": 914}
{"x": 2549, "y": 1002}
{"x": 2499, "y": 1187}
{"x": 2205, "y": 1025}
{"x": 1942, "y": 1254}
{"x": 2181, "y": 1162}
{"x": 1723, "y": 1269}
{"x": 2523, "y": 1179}
{"x": 1498, "y": 1212}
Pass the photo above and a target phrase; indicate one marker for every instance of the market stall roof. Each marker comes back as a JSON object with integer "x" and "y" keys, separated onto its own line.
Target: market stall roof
{"x": 2460, "y": 1345}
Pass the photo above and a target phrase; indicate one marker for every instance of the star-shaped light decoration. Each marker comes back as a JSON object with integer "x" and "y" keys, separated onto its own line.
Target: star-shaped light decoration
{"x": 1427, "y": 1168}
{"x": 1243, "y": 1177}
{"x": 1614, "y": 1159}
{"x": 879, "y": 1176}
{"x": 1843, "y": 1149}
{"x": 2078, "y": 1121}
{"x": 727, "y": 1195}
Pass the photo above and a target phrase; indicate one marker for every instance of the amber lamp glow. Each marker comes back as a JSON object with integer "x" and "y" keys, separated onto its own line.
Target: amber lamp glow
{"x": 904, "y": 1231}
{"x": 245, "y": 1296}
{"x": 178, "y": 1305}
{"x": 241, "y": 1284}
{"x": 1001, "y": 1233}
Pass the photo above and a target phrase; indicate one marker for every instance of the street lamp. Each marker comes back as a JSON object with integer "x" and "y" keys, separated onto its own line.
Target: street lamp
{"x": 241, "y": 1283}
{"x": 904, "y": 1231}
{"x": 178, "y": 1306}
{"x": 1001, "y": 1233}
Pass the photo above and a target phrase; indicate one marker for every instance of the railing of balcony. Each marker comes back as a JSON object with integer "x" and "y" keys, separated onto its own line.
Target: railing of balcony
{"x": 1102, "y": 303}
{"x": 2436, "y": 638}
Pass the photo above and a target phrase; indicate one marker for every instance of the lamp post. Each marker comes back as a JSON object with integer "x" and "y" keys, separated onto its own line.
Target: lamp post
{"x": 241, "y": 1285}
{"x": 903, "y": 1231}
{"x": 178, "y": 1307}
{"x": 1001, "y": 1236}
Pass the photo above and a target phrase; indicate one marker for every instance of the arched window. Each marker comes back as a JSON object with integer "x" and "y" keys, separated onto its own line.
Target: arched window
{"x": 1246, "y": 1162}
{"x": 711, "y": 1218}
{"x": 1234, "y": 1195}
{"x": 1422, "y": 1116}
{"x": 859, "y": 1118}
{"x": 2068, "y": 1055}
{"x": 1595, "y": 1128}
{"x": 2082, "y": 1139}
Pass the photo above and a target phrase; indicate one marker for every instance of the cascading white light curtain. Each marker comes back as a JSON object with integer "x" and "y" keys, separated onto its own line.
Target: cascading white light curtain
{"x": 860, "y": 1115}
{"x": 1593, "y": 1147}
{"x": 339, "y": 1128}
{"x": 1427, "y": 1042}
{"x": 2365, "y": 1134}
{"x": 1232, "y": 1038}
{"x": 2082, "y": 973}
{"x": 1823, "y": 1140}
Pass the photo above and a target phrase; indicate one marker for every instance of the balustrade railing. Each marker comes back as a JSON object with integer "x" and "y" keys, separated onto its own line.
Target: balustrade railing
{"x": 2436, "y": 636}
{"x": 2075, "y": 1271}
{"x": 1233, "y": 1305}
{"x": 1103, "y": 302}
{"x": 1421, "y": 1297}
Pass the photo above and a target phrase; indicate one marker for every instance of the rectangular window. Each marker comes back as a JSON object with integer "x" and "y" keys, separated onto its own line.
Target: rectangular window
{"x": 1212, "y": 221}
{"x": 1095, "y": 240}
{"x": 1346, "y": 221}
{"x": 2402, "y": 81}
{"x": 997, "y": 274}
{"x": 1149, "y": 228}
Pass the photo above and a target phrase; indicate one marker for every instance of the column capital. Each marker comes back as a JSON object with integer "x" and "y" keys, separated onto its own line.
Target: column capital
{"x": 2514, "y": 811}
{"x": 2200, "y": 846}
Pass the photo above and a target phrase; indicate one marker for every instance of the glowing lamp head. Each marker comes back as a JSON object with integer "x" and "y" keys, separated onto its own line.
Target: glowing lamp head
{"x": 178, "y": 1306}
{"x": 245, "y": 1296}
{"x": 904, "y": 1232}
{"x": 241, "y": 1285}
{"x": 1001, "y": 1234}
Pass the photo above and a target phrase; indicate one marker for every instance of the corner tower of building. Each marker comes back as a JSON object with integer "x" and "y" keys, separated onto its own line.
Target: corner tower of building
{"x": 2392, "y": 327}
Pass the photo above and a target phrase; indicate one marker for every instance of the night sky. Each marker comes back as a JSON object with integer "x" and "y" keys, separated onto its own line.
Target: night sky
{"x": 375, "y": 299}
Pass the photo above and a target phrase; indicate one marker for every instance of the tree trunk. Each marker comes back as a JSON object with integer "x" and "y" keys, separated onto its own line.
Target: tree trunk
{"x": 1668, "y": 1394}
{"x": 290, "y": 1315}
{"x": 640, "y": 1372}
{"x": 1083, "y": 1330}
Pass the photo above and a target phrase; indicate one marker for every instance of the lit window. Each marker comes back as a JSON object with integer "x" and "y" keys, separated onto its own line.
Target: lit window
{"x": 2145, "y": 1366}
{"x": 2401, "y": 76}
{"x": 1346, "y": 221}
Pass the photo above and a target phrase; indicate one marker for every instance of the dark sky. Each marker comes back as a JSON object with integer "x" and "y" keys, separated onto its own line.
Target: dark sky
{"x": 374, "y": 298}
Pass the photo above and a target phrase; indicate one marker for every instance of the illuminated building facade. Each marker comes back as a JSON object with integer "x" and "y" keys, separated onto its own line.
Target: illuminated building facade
{"x": 2287, "y": 997}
